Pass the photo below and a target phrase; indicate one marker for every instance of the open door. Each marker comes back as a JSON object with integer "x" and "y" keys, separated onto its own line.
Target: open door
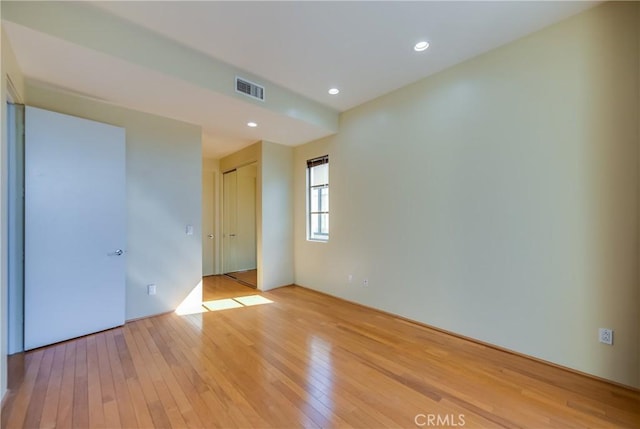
{"x": 75, "y": 227}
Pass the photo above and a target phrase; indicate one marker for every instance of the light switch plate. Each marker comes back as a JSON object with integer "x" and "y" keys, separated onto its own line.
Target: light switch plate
{"x": 189, "y": 230}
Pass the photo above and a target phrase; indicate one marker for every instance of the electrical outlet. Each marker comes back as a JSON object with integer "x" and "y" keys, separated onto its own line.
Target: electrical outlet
{"x": 151, "y": 289}
{"x": 605, "y": 336}
{"x": 365, "y": 282}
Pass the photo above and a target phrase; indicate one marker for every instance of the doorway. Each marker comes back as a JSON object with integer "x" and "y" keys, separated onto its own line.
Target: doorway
{"x": 239, "y": 255}
{"x": 209, "y": 182}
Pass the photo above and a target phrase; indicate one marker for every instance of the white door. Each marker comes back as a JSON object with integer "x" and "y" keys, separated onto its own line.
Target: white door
{"x": 229, "y": 222}
{"x": 75, "y": 227}
{"x": 246, "y": 217}
{"x": 208, "y": 223}
{"x": 239, "y": 219}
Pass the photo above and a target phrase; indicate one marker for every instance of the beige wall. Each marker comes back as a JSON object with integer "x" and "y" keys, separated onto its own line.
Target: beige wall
{"x": 498, "y": 199}
{"x": 246, "y": 218}
{"x": 242, "y": 157}
{"x": 275, "y": 237}
{"x": 164, "y": 180}
{"x": 9, "y": 68}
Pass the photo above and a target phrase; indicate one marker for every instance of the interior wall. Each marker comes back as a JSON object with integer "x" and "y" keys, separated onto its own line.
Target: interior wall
{"x": 164, "y": 191}
{"x": 499, "y": 198}
{"x": 275, "y": 242}
{"x": 242, "y": 157}
{"x": 211, "y": 180}
{"x": 246, "y": 217}
{"x": 9, "y": 68}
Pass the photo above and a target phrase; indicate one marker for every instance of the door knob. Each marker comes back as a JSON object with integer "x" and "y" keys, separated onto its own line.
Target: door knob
{"x": 116, "y": 253}
{"x": 232, "y": 235}
{"x": 210, "y": 235}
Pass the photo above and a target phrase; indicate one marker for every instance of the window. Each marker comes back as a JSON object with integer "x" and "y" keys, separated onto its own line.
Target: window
{"x": 318, "y": 198}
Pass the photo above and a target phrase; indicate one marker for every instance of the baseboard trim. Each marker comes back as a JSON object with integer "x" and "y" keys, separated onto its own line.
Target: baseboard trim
{"x": 135, "y": 319}
{"x": 480, "y": 342}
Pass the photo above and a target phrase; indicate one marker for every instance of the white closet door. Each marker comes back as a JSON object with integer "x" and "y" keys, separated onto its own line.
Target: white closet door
{"x": 230, "y": 222}
{"x": 75, "y": 227}
{"x": 246, "y": 218}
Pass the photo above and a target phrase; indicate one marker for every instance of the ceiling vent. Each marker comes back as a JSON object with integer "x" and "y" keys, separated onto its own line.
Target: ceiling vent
{"x": 249, "y": 88}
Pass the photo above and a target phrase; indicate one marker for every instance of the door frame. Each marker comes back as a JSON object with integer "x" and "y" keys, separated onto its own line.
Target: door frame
{"x": 15, "y": 220}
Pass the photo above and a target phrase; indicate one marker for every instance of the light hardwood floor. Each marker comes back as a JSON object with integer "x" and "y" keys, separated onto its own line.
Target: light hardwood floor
{"x": 304, "y": 360}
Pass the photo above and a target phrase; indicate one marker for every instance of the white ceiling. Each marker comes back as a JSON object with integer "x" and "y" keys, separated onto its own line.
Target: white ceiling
{"x": 363, "y": 48}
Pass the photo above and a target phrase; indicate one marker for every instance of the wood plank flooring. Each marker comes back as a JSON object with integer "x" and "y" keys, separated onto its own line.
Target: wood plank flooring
{"x": 302, "y": 360}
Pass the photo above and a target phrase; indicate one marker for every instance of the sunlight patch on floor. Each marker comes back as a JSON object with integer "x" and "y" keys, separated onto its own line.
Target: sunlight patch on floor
{"x": 221, "y": 304}
{"x": 252, "y": 300}
{"x": 191, "y": 306}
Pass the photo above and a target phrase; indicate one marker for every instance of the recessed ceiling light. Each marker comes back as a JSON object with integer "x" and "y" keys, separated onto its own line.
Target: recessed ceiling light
{"x": 252, "y": 124}
{"x": 421, "y": 46}
{"x": 334, "y": 91}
